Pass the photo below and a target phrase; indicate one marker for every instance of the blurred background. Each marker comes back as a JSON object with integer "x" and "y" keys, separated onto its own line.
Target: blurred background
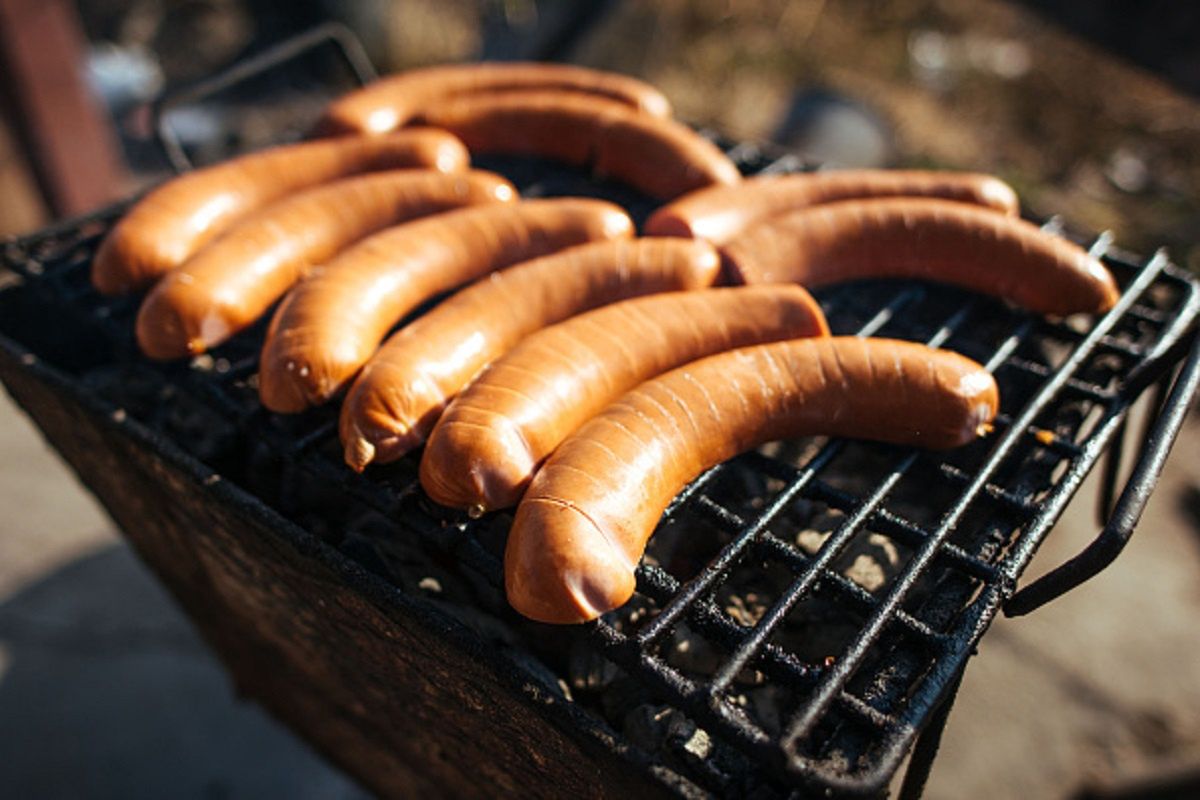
{"x": 1090, "y": 109}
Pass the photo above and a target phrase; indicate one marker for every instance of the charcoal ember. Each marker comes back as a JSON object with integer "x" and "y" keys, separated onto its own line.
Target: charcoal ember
{"x": 650, "y": 726}
{"x": 623, "y": 695}
{"x": 587, "y": 670}
{"x": 768, "y": 704}
{"x": 692, "y": 654}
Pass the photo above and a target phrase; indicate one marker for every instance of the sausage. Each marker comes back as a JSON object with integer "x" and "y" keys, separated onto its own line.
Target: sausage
{"x": 171, "y": 223}
{"x": 720, "y": 213}
{"x": 332, "y": 323}
{"x": 585, "y": 521}
{"x": 660, "y": 157}
{"x": 232, "y": 282}
{"x": 394, "y": 402}
{"x": 394, "y": 101}
{"x": 491, "y": 438}
{"x": 929, "y": 239}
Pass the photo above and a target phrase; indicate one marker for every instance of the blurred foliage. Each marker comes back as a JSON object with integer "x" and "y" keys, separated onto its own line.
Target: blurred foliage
{"x": 964, "y": 84}
{"x": 988, "y": 86}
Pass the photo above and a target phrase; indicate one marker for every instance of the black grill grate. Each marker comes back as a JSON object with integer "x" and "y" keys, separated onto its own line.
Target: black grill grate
{"x": 802, "y": 610}
{"x": 808, "y": 605}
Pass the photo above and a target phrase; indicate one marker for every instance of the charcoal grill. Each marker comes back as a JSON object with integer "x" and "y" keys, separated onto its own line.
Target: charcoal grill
{"x": 803, "y": 615}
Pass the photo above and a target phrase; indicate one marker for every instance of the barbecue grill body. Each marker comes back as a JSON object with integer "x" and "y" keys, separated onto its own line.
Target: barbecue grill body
{"x": 395, "y": 692}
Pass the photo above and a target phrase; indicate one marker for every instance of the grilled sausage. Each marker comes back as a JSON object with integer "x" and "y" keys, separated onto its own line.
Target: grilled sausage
{"x": 585, "y": 521}
{"x": 232, "y": 282}
{"x": 394, "y": 402}
{"x": 394, "y": 101}
{"x": 490, "y": 440}
{"x": 171, "y": 223}
{"x": 660, "y": 157}
{"x": 332, "y": 323}
{"x": 924, "y": 238}
{"x": 720, "y": 213}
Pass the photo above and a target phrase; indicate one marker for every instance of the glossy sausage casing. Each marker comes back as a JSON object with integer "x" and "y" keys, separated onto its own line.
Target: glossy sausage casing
{"x": 233, "y": 281}
{"x": 585, "y": 521}
{"x": 924, "y": 238}
{"x": 659, "y": 157}
{"x": 397, "y": 398}
{"x": 490, "y": 440}
{"x": 171, "y": 223}
{"x": 393, "y": 101}
{"x": 719, "y": 213}
{"x": 333, "y": 322}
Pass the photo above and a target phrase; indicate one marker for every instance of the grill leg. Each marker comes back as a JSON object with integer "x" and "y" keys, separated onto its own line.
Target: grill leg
{"x": 921, "y": 763}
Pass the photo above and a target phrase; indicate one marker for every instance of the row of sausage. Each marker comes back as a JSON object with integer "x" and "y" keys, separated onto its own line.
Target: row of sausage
{"x": 587, "y": 370}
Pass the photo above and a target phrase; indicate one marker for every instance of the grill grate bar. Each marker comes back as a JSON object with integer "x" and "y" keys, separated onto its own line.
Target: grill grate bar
{"x": 888, "y": 522}
{"x": 669, "y": 615}
{"x": 1022, "y": 505}
{"x": 1083, "y": 389}
{"x": 816, "y": 568}
{"x": 798, "y": 560}
{"x": 709, "y": 575}
{"x": 866, "y": 708}
{"x": 835, "y": 679}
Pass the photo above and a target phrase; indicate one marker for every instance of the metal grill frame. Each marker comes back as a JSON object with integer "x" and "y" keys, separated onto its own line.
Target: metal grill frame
{"x": 995, "y": 569}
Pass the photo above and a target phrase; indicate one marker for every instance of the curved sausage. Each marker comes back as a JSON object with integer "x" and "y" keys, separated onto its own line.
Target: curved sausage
{"x": 171, "y": 223}
{"x": 395, "y": 401}
{"x": 490, "y": 440}
{"x": 719, "y": 213}
{"x": 660, "y": 157}
{"x": 332, "y": 323}
{"x": 585, "y": 521}
{"x": 392, "y": 102}
{"x": 927, "y": 239}
{"x": 232, "y": 282}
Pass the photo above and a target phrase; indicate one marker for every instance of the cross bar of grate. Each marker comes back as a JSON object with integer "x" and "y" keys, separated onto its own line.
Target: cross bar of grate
{"x": 694, "y": 588}
{"x": 830, "y": 549}
{"x": 834, "y": 680}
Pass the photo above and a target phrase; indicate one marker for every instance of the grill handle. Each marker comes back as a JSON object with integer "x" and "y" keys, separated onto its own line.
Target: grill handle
{"x": 1113, "y": 537}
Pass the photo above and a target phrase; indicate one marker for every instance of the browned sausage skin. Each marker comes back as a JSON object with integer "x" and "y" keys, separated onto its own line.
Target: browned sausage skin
{"x": 584, "y": 523}
{"x": 719, "y": 213}
{"x": 393, "y": 101}
{"x": 929, "y": 239}
{"x": 659, "y": 157}
{"x": 395, "y": 401}
{"x": 233, "y": 281}
{"x": 174, "y": 221}
{"x": 332, "y": 323}
{"x": 491, "y": 438}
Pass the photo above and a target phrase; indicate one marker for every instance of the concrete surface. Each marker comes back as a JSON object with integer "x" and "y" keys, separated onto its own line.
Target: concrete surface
{"x": 106, "y": 692}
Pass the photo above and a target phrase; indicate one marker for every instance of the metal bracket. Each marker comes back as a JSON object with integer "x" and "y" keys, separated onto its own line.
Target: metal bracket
{"x": 331, "y": 33}
{"x": 1112, "y": 539}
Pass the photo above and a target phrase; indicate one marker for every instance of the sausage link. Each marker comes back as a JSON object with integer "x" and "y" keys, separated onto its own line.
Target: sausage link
{"x": 233, "y": 281}
{"x": 332, "y": 323}
{"x": 719, "y": 213}
{"x": 392, "y": 102}
{"x": 659, "y": 157}
{"x": 585, "y": 521}
{"x": 924, "y": 238}
{"x": 491, "y": 438}
{"x": 171, "y": 223}
{"x": 395, "y": 401}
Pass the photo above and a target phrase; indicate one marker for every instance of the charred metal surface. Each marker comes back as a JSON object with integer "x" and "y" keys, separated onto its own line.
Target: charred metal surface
{"x": 390, "y": 689}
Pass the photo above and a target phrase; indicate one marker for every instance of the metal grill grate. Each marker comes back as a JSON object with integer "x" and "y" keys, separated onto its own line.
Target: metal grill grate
{"x": 808, "y": 605}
